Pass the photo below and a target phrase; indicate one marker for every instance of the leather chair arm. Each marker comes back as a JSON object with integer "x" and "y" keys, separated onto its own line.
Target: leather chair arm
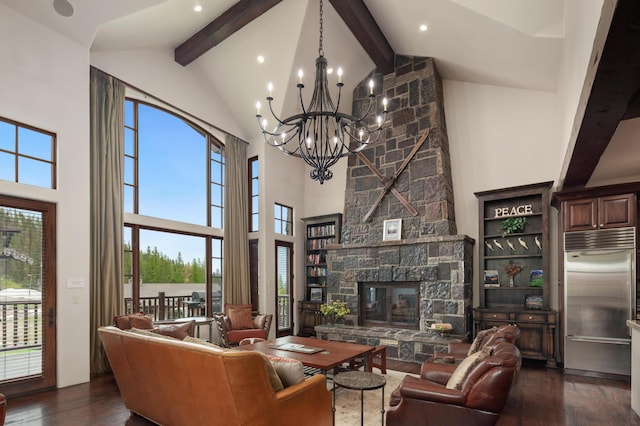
{"x": 309, "y": 399}
{"x": 436, "y": 372}
{"x": 458, "y": 348}
{"x": 415, "y": 388}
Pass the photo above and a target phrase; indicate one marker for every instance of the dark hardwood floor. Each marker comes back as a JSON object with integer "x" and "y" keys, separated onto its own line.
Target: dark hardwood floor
{"x": 540, "y": 397}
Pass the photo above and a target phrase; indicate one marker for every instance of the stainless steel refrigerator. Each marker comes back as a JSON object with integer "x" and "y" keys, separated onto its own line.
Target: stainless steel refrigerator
{"x": 600, "y": 295}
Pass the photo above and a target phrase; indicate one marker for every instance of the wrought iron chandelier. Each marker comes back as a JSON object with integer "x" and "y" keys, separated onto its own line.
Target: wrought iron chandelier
{"x": 320, "y": 134}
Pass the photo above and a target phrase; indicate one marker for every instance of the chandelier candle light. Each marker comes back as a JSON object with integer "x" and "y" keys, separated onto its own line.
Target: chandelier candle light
{"x": 320, "y": 134}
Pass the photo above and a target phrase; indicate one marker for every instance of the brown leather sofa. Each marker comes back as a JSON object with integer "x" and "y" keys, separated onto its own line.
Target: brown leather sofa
{"x": 172, "y": 382}
{"x": 480, "y": 400}
{"x": 505, "y": 333}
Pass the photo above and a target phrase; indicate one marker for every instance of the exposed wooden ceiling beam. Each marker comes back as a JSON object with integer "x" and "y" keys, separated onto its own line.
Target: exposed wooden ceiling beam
{"x": 359, "y": 20}
{"x": 236, "y": 17}
{"x": 612, "y": 96}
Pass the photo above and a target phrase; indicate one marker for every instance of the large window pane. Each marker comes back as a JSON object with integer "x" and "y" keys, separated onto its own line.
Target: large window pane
{"x": 172, "y": 174}
{"x": 34, "y": 172}
{"x": 7, "y": 136}
{"x": 34, "y": 144}
{"x": 171, "y": 265}
{"x": 7, "y": 166}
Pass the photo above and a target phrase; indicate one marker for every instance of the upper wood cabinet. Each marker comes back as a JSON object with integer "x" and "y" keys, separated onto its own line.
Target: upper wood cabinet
{"x": 612, "y": 211}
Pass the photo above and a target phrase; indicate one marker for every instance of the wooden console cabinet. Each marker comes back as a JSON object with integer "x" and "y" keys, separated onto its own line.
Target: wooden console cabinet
{"x": 537, "y": 329}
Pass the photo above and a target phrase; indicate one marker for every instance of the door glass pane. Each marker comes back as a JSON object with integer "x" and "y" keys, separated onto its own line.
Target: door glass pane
{"x": 283, "y": 256}
{"x": 21, "y": 292}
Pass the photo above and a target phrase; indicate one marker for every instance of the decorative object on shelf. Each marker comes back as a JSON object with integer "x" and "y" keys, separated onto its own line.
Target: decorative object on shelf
{"x": 489, "y": 246}
{"x": 334, "y": 311}
{"x": 441, "y": 327}
{"x": 392, "y": 229}
{"x": 320, "y": 134}
{"x": 491, "y": 278}
{"x": 536, "y": 278}
{"x": 523, "y": 243}
{"x": 538, "y": 243}
{"x": 510, "y": 244}
{"x": 513, "y": 224}
{"x": 533, "y": 301}
{"x": 315, "y": 295}
{"x": 512, "y": 270}
{"x": 498, "y": 245}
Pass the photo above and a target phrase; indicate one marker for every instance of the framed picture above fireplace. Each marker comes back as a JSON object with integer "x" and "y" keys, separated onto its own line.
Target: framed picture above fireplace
{"x": 392, "y": 230}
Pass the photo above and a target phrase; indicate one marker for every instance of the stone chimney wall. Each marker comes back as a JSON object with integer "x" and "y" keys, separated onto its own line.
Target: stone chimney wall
{"x": 429, "y": 252}
{"x": 416, "y": 104}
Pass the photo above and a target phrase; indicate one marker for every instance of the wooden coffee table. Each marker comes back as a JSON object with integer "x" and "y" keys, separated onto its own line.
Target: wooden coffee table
{"x": 332, "y": 355}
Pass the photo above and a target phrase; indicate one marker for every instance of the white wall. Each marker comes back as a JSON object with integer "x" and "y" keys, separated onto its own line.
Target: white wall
{"x": 45, "y": 83}
{"x": 498, "y": 138}
{"x": 176, "y": 85}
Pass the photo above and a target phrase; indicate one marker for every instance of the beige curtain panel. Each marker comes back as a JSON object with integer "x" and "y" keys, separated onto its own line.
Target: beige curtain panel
{"x": 236, "y": 210}
{"x": 107, "y": 144}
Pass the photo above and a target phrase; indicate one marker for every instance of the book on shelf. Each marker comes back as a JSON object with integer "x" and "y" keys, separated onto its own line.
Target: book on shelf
{"x": 536, "y": 278}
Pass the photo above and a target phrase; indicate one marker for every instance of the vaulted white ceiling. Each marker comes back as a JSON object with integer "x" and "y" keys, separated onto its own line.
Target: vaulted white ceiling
{"x": 497, "y": 42}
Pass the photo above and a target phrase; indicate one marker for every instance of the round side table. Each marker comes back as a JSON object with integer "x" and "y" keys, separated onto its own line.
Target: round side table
{"x": 362, "y": 381}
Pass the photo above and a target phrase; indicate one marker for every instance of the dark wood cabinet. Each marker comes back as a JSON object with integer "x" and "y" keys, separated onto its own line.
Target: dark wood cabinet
{"x": 537, "y": 329}
{"x": 321, "y": 232}
{"x": 613, "y": 211}
{"x": 310, "y": 316}
{"x": 514, "y": 267}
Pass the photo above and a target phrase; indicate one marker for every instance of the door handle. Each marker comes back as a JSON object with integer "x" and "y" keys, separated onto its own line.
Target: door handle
{"x": 51, "y": 317}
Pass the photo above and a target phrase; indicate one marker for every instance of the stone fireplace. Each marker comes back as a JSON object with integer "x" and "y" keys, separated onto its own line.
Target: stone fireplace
{"x": 429, "y": 256}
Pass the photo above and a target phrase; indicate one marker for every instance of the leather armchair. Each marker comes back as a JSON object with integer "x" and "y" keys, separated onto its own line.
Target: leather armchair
{"x": 480, "y": 400}
{"x": 232, "y": 337}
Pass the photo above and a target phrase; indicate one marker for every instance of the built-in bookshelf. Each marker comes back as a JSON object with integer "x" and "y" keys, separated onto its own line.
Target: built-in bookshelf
{"x": 321, "y": 232}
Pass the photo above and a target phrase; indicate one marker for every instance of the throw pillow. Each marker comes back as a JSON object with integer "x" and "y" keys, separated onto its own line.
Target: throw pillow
{"x": 149, "y": 332}
{"x": 204, "y": 343}
{"x": 240, "y": 318}
{"x": 123, "y": 322}
{"x": 179, "y": 331}
{"x": 259, "y": 321}
{"x": 141, "y": 322}
{"x": 461, "y": 373}
{"x": 272, "y": 374}
{"x": 290, "y": 371}
{"x": 480, "y": 340}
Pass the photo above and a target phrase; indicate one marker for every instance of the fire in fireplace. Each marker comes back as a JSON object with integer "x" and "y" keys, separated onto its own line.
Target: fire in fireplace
{"x": 389, "y": 304}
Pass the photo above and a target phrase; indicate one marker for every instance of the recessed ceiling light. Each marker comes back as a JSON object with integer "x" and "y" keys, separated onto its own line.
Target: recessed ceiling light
{"x": 423, "y": 27}
{"x": 197, "y": 8}
{"x": 260, "y": 59}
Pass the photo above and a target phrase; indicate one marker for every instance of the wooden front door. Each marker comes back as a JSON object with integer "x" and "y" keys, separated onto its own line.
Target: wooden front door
{"x": 27, "y": 296}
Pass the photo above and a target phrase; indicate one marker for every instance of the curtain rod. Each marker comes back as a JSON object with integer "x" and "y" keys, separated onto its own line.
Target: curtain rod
{"x": 144, "y": 92}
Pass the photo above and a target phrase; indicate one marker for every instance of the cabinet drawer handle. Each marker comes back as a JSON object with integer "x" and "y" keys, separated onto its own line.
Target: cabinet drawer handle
{"x": 530, "y": 317}
{"x": 495, "y": 316}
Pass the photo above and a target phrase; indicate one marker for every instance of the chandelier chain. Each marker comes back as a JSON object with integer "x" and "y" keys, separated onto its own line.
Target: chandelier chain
{"x": 320, "y": 49}
{"x": 320, "y": 134}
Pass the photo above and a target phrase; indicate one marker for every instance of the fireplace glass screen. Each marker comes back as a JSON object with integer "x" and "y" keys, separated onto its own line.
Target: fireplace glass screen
{"x": 390, "y": 304}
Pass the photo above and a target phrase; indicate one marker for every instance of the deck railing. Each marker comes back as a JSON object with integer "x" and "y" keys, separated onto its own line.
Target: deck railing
{"x": 21, "y": 324}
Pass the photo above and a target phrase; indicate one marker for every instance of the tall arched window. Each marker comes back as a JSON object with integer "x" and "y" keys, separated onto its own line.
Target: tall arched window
{"x": 174, "y": 206}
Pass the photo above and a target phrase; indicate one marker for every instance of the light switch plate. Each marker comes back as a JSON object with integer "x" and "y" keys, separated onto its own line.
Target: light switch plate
{"x": 75, "y": 283}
